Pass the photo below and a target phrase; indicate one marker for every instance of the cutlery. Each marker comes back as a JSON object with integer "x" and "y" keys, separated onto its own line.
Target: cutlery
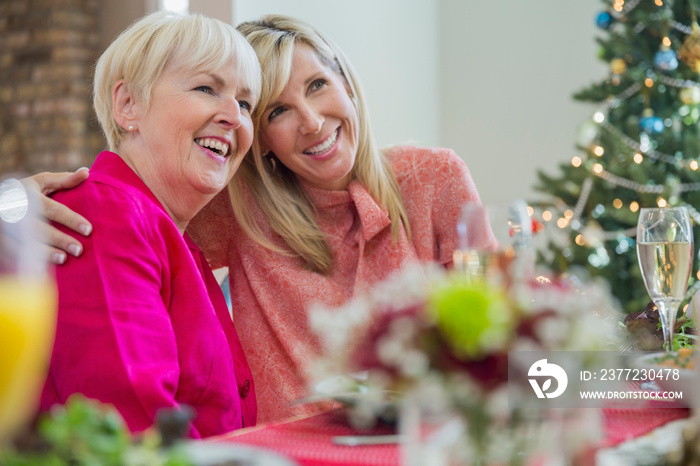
{"x": 358, "y": 440}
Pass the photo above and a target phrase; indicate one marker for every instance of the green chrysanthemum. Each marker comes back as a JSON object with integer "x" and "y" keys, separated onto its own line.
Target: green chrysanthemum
{"x": 473, "y": 318}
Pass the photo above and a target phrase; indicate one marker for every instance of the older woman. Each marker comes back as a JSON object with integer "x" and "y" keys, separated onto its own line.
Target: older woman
{"x": 321, "y": 214}
{"x": 142, "y": 323}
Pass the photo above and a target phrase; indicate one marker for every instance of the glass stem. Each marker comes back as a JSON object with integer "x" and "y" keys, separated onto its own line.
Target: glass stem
{"x": 667, "y": 314}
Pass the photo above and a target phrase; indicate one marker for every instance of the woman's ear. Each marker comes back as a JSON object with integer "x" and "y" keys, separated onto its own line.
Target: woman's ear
{"x": 123, "y": 104}
{"x": 264, "y": 149}
{"x": 348, "y": 87}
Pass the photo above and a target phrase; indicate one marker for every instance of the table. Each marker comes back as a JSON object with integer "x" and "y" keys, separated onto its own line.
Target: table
{"x": 308, "y": 440}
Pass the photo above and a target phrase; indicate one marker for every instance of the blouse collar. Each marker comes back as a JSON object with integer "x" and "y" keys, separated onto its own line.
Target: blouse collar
{"x": 373, "y": 217}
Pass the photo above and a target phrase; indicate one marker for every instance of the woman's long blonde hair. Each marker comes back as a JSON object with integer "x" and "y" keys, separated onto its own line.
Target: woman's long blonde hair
{"x": 275, "y": 187}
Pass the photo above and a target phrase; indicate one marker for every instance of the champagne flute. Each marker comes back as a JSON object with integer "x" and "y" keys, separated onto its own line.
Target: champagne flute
{"x": 665, "y": 254}
{"x": 490, "y": 238}
{"x": 27, "y": 309}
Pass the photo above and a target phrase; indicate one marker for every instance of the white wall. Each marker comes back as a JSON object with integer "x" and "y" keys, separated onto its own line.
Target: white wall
{"x": 392, "y": 44}
{"x": 492, "y": 80}
{"x": 509, "y": 70}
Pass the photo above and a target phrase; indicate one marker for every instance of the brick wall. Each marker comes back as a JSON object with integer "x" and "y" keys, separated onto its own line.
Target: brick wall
{"x": 47, "y": 53}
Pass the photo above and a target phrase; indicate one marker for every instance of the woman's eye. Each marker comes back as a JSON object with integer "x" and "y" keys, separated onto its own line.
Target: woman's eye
{"x": 245, "y": 105}
{"x": 205, "y": 89}
{"x": 277, "y": 111}
{"x": 318, "y": 84}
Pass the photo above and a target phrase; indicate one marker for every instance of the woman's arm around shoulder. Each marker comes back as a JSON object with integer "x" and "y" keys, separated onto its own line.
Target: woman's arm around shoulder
{"x": 59, "y": 243}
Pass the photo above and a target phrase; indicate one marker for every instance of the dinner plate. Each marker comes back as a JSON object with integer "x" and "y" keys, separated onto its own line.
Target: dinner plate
{"x": 231, "y": 454}
{"x": 345, "y": 389}
{"x": 353, "y": 391}
{"x": 685, "y": 381}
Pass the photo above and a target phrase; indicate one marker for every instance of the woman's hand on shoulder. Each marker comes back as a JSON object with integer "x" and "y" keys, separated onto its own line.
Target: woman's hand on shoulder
{"x": 59, "y": 243}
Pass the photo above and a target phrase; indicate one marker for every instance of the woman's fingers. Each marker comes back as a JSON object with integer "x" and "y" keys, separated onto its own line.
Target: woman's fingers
{"x": 47, "y": 182}
{"x": 57, "y": 243}
{"x": 61, "y": 214}
{"x": 56, "y": 256}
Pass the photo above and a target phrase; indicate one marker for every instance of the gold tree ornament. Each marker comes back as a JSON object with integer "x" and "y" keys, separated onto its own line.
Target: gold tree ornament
{"x": 618, "y": 66}
{"x": 690, "y": 50}
{"x": 690, "y": 95}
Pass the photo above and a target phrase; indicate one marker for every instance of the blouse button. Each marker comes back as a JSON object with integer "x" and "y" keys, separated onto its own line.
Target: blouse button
{"x": 245, "y": 389}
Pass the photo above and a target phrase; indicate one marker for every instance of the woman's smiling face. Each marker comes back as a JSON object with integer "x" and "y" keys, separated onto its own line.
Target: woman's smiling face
{"x": 198, "y": 128}
{"x": 312, "y": 127}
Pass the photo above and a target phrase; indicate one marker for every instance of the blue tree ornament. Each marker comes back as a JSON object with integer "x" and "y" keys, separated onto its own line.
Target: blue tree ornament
{"x": 666, "y": 60}
{"x": 651, "y": 125}
{"x": 603, "y": 20}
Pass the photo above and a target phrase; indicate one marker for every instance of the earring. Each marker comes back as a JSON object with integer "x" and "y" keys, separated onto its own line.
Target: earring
{"x": 273, "y": 161}
{"x": 130, "y": 128}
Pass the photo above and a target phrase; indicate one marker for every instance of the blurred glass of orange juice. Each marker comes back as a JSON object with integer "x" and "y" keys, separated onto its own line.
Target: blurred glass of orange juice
{"x": 27, "y": 329}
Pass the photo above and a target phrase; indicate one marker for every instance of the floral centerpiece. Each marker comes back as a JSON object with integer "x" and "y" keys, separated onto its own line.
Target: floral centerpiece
{"x": 432, "y": 335}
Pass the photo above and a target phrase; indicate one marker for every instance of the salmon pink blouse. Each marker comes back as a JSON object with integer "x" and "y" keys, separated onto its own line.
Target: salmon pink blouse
{"x": 271, "y": 293}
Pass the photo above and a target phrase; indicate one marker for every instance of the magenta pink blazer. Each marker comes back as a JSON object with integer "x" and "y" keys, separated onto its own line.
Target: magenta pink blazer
{"x": 142, "y": 323}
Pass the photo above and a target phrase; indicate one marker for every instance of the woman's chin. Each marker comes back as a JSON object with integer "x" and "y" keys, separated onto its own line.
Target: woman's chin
{"x": 212, "y": 186}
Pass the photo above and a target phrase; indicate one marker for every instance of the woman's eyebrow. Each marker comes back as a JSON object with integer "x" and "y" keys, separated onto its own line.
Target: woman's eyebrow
{"x": 313, "y": 78}
{"x": 273, "y": 104}
{"x": 247, "y": 92}
{"x": 218, "y": 80}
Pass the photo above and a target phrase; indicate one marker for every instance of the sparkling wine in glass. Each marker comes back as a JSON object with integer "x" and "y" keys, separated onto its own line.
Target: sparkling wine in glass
{"x": 665, "y": 254}
{"x": 27, "y": 310}
{"x": 490, "y": 238}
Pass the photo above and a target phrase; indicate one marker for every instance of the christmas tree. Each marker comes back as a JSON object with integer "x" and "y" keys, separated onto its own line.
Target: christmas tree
{"x": 640, "y": 148}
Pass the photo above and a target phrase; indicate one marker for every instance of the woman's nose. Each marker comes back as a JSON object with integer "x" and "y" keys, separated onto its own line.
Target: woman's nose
{"x": 230, "y": 114}
{"x": 311, "y": 121}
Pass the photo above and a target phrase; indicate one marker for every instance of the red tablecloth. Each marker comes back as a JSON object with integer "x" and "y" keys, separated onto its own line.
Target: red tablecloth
{"x": 622, "y": 424}
{"x": 309, "y": 440}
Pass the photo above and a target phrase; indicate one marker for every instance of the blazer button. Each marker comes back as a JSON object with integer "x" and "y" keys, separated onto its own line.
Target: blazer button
{"x": 245, "y": 389}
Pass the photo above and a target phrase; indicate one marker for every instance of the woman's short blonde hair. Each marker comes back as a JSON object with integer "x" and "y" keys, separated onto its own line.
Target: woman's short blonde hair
{"x": 275, "y": 187}
{"x": 141, "y": 52}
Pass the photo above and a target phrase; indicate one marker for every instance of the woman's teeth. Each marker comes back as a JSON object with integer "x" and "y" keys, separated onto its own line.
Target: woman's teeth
{"x": 324, "y": 146}
{"x": 214, "y": 145}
